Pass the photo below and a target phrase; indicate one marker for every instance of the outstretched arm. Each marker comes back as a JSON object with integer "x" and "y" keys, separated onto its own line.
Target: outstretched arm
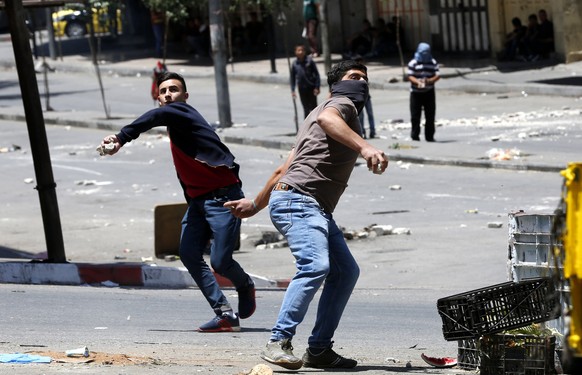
{"x": 334, "y": 125}
{"x": 244, "y": 208}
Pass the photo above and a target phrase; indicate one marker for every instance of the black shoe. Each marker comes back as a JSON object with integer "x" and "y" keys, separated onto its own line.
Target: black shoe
{"x": 430, "y": 140}
{"x": 246, "y": 301}
{"x": 327, "y": 359}
{"x": 415, "y": 138}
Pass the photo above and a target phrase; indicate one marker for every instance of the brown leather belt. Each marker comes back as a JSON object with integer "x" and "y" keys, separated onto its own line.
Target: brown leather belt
{"x": 282, "y": 186}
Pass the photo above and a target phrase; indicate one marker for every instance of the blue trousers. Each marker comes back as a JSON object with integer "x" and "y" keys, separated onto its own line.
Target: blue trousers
{"x": 321, "y": 255}
{"x": 206, "y": 218}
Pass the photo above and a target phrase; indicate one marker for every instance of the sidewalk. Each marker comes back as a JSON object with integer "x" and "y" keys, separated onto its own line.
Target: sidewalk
{"x": 468, "y": 76}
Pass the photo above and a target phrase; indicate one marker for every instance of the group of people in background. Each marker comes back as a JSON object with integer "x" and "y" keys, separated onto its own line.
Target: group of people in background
{"x": 530, "y": 42}
{"x": 423, "y": 73}
{"x": 378, "y": 40}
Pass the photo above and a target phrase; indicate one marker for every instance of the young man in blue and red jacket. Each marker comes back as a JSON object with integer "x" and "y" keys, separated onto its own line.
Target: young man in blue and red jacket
{"x": 209, "y": 177}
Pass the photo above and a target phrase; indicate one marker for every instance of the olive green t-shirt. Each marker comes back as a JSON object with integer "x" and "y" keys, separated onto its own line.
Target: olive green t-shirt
{"x": 322, "y": 166}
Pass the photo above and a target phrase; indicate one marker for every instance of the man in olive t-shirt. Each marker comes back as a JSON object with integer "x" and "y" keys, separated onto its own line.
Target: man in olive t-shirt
{"x": 302, "y": 195}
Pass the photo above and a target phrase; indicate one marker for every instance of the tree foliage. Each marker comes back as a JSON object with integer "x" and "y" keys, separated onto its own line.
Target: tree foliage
{"x": 176, "y": 10}
{"x": 179, "y": 10}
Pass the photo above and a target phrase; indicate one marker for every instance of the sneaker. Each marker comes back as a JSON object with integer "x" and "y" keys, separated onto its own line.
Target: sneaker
{"x": 327, "y": 359}
{"x": 222, "y": 322}
{"x": 246, "y": 301}
{"x": 281, "y": 353}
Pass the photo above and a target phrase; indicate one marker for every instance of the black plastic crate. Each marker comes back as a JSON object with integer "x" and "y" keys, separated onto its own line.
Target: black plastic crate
{"x": 504, "y": 354}
{"x": 498, "y": 308}
{"x": 468, "y": 354}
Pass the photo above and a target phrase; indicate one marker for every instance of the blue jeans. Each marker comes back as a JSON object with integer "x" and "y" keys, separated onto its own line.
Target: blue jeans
{"x": 206, "y": 218}
{"x": 321, "y": 254}
{"x": 370, "y": 112}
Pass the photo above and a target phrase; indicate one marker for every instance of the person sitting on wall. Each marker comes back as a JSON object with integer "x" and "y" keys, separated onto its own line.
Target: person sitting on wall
{"x": 545, "y": 34}
{"x": 513, "y": 41}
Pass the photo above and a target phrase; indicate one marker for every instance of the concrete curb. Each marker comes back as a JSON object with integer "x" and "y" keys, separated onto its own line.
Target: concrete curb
{"x": 112, "y": 274}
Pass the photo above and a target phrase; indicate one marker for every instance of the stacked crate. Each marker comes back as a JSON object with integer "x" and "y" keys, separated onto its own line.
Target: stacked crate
{"x": 529, "y": 252}
{"x": 530, "y": 246}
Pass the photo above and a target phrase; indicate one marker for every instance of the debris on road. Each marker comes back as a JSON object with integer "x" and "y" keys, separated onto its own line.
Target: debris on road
{"x": 79, "y": 352}
{"x": 260, "y": 369}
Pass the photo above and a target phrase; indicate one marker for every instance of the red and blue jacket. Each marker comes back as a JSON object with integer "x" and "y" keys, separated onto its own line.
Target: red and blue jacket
{"x": 203, "y": 163}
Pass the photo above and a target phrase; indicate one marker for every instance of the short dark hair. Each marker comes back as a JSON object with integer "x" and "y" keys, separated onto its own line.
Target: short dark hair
{"x": 171, "y": 75}
{"x": 340, "y": 69}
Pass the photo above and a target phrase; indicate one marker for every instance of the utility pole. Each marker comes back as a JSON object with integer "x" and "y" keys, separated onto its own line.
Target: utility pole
{"x": 46, "y": 185}
{"x": 216, "y": 18}
{"x": 324, "y": 35}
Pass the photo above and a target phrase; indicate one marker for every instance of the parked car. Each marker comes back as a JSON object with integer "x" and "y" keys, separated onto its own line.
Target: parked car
{"x": 73, "y": 21}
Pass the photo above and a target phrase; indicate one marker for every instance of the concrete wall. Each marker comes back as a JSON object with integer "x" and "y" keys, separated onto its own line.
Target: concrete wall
{"x": 570, "y": 38}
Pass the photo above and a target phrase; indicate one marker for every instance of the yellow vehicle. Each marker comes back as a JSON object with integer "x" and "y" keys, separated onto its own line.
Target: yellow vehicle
{"x": 73, "y": 21}
{"x": 567, "y": 231}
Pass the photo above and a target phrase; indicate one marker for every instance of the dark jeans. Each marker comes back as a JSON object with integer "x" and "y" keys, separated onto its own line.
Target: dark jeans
{"x": 418, "y": 102}
{"x": 205, "y": 218}
{"x": 308, "y": 100}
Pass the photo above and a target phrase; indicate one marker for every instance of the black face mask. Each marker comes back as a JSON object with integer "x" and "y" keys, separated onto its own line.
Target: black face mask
{"x": 355, "y": 90}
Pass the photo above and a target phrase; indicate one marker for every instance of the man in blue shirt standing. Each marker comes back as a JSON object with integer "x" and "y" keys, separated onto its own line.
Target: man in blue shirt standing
{"x": 305, "y": 77}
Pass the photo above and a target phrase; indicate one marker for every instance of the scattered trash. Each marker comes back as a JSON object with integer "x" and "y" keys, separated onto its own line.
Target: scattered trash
{"x": 269, "y": 237}
{"x": 472, "y": 211}
{"x": 501, "y": 154}
{"x": 401, "y": 231}
{"x": 119, "y": 257}
{"x": 495, "y": 138}
{"x": 495, "y": 224}
{"x": 92, "y": 182}
{"x": 24, "y": 358}
{"x": 147, "y": 259}
{"x": 443, "y": 362}
{"x": 395, "y": 187}
{"x": 79, "y": 352}
{"x": 381, "y": 230}
{"x": 9, "y": 149}
{"x": 109, "y": 284}
{"x": 101, "y": 328}
{"x": 28, "y": 180}
{"x": 171, "y": 258}
{"x": 391, "y": 359}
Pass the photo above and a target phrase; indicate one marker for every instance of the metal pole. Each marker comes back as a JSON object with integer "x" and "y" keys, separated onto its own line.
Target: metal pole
{"x": 36, "y": 132}
{"x": 282, "y": 21}
{"x": 216, "y": 17}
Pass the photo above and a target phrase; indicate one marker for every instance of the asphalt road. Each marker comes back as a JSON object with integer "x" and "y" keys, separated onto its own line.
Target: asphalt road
{"x": 385, "y": 330}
